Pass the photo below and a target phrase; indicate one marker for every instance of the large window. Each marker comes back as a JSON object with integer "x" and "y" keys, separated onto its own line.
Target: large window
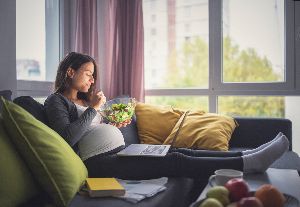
{"x": 229, "y": 56}
{"x": 37, "y": 43}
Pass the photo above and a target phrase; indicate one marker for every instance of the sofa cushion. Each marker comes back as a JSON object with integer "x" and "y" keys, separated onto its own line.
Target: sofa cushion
{"x": 194, "y": 129}
{"x": 253, "y": 132}
{"x": 32, "y": 106}
{"x": 5, "y": 94}
{"x": 130, "y": 133}
{"x": 17, "y": 183}
{"x": 197, "y": 129}
{"x": 54, "y": 164}
{"x": 155, "y": 123}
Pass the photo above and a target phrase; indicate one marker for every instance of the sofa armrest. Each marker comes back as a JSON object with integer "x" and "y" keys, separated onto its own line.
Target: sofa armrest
{"x": 253, "y": 132}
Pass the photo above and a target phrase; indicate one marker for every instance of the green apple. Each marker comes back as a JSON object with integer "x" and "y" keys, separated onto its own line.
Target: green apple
{"x": 220, "y": 193}
{"x": 211, "y": 202}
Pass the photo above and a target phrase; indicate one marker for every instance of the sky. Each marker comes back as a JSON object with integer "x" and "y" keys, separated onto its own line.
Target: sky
{"x": 259, "y": 24}
{"x": 30, "y": 28}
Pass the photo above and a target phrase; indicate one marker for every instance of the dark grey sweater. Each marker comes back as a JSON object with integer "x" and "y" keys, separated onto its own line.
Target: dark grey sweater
{"x": 63, "y": 118}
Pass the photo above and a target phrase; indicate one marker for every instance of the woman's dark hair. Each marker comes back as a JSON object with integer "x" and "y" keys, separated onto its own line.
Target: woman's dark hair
{"x": 74, "y": 60}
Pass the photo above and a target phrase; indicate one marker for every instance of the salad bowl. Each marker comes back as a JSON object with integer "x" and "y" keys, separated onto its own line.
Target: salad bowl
{"x": 118, "y": 110}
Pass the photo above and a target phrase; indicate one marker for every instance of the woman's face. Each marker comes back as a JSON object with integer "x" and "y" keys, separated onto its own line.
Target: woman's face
{"x": 83, "y": 77}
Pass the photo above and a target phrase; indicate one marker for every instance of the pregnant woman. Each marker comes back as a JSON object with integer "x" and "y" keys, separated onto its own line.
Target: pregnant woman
{"x": 72, "y": 112}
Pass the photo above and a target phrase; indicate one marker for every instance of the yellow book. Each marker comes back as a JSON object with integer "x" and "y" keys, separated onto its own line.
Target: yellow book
{"x": 102, "y": 187}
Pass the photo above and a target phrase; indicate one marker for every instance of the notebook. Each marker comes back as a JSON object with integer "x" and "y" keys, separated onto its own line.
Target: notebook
{"x": 145, "y": 150}
{"x": 102, "y": 187}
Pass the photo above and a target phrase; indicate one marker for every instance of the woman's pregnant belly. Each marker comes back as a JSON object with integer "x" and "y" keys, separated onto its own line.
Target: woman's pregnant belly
{"x": 99, "y": 139}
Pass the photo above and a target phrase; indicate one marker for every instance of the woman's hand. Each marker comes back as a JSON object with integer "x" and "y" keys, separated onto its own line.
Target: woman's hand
{"x": 121, "y": 124}
{"x": 97, "y": 100}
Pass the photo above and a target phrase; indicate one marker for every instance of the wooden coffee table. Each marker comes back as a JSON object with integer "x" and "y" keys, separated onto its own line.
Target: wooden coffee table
{"x": 286, "y": 180}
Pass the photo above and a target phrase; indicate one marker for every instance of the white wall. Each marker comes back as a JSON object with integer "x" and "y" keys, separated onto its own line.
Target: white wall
{"x": 297, "y": 45}
{"x": 8, "y": 45}
{"x": 293, "y": 103}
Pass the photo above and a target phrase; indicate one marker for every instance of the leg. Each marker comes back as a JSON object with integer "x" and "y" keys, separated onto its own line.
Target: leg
{"x": 172, "y": 165}
{"x": 175, "y": 164}
{"x": 247, "y": 152}
{"x": 206, "y": 153}
{"x": 210, "y": 153}
{"x": 261, "y": 160}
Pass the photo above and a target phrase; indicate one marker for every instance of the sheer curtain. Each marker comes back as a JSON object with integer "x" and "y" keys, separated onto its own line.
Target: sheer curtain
{"x": 112, "y": 32}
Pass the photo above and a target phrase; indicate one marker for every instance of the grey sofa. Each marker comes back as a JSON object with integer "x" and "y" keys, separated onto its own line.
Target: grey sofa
{"x": 180, "y": 192}
{"x": 251, "y": 133}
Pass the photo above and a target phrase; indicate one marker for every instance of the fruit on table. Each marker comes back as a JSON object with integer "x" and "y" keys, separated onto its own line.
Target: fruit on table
{"x": 211, "y": 202}
{"x": 250, "y": 202}
{"x": 270, "y": 196}
{"x": 238, "y": 189}
{"x": 220, "y": 193}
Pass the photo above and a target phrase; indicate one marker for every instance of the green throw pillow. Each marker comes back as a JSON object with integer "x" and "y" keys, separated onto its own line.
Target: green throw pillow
{"x": 55, "y": 165}
{"x": 17, "y": 183}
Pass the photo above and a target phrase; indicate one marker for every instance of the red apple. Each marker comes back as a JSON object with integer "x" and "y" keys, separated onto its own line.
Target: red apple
{"x": 250, "y": 202}
{"x": 238, "y": 189}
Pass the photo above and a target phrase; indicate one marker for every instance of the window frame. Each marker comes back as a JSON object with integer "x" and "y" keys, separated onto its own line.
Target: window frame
{"x": 45, "y": 88}
{"x": 216, "y": 35}
{"x": 217, "y": 88}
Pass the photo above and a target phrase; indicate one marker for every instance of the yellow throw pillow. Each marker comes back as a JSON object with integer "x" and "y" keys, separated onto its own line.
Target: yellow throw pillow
{"x": 203, "y": 131}
{"x": 155, "y": 123}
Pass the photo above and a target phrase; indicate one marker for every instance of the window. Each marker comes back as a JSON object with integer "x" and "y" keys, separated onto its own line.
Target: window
{"x": 187, "y": 11}
{"x": 235, "y": 57}
{"x": 37, "y": 45}
{"x": 250, "y": 56}
{"x": 153, "y": 31}
{"x": 181, "y": 52}
{"x": 153, "y": 18}
{"x": 187, "y": 27}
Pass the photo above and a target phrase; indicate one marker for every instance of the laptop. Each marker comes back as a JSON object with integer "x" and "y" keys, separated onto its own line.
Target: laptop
{"x": 145, "y": 150}
{"x": 152, "y": 150}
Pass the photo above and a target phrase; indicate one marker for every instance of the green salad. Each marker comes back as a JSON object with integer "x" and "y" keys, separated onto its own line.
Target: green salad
{"x": 117, "y": 113}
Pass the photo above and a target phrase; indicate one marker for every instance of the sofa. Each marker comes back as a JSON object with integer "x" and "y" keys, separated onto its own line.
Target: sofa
{"x": 251, "y": 133}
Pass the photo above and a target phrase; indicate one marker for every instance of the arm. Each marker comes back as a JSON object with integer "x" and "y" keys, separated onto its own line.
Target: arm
{"x": 62, "y": 116}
